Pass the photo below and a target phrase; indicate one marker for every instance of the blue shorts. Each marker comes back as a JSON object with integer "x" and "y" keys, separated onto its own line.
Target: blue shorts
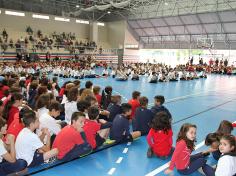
{"x": 37, "y": 160}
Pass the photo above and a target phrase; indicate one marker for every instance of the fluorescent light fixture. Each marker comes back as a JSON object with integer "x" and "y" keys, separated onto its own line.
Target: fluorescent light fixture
{"x": 82, "y": 21}
{"x": 77, "y": 6}
{"x": 131, "y": 46}
{"x": 0, "y": 11}
{"x": 7, "y": 12}
{"x": 62, "y": 19}
{"x": 40, "y": 16}
{"x": 108, "y": 12}
{"x": 100, "y": 24}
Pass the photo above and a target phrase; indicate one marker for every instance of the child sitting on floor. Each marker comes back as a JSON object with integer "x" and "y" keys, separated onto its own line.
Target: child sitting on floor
{"x": 70, "y": 141}
{"x": 120, "y": 128}
{"x": 159, "y": 137}
{"x": 96, "y": 133}
{"x": 143, "y": 117}
{"x": 29, "y": 147}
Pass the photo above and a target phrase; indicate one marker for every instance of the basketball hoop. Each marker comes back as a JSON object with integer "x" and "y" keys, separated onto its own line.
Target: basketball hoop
{"x": 205, "y": 43}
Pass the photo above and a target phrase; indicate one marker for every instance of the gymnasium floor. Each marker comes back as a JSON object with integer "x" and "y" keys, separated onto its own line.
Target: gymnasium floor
{"x": 204, "y": 102}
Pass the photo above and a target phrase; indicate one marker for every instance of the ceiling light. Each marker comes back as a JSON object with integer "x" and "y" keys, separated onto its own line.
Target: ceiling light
{"x": 100, "y": 24}
{"x": 77, "y": 6}
{"x": 108, "y": 12}
{"x": 82, "y": 21}
{"x": 62, "y": 19}
{"x": 166, "y": 3}
{"x": 7, "y": 12}
{"x": 40, "y": 16}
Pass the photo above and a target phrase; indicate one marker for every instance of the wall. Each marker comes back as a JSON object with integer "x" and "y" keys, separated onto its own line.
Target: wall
{"x": 116, "y": 33}
{"x": 16, "y": 26}
{"x": 16, "y": 23}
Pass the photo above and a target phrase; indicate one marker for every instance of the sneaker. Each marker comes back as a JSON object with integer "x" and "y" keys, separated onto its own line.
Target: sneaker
{"x": 109, "y": 142}
{"x": 149, "y": 153}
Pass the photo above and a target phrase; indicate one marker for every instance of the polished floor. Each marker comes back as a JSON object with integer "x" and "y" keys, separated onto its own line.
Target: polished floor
{"x": 204, "y": 102}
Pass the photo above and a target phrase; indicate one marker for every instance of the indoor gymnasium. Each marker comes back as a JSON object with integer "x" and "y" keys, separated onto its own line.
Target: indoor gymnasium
{"x": 117, "y": 87}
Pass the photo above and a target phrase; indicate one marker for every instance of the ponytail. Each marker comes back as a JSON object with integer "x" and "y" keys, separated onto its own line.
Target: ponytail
{"x": 14, "y": 97}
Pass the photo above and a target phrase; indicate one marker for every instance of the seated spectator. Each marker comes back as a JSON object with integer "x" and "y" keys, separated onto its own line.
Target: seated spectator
{"x": 11, "y": 107}
{"x": 96, "y": 133}
{"x": 96, "y": 91}
{"x": 17, "y": 125}
{"x": 106, "y": 97}
{"x": 71, "y": 104}
{"x": 114, "y": 107}
{"x": 48, "y": 120}
{"x": 8, "y": 162}
{"x": 70, "y": 141}
{"x": 158, "y": 107}
{"x": 120, "y": 130}
{"x": 143, "y": 117}
{"x": 134, "y": 102}
{"x": 29, "y": 147}
{"x": 159, "y": 137}
{"x": 29, "y": 30}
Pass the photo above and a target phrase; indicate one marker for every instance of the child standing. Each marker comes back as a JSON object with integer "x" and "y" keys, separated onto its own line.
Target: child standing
{"x": 120, "y": 127}
{"x": 182, "y": 159}
{"x": 160, "y": 135}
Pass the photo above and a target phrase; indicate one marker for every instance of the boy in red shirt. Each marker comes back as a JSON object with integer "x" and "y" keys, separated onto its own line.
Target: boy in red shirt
{"x": 96, "y": 133}
{"x": 96, "y": 91}
{"x": 134, "y": 102}
{"x": 69, "y": 140}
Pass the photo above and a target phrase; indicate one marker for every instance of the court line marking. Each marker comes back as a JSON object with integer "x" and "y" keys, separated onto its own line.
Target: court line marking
{"x": 125, "y": 150}
{"x": 118, "y": 161}
{"x": 129, "y": 143}
{"x": 206, "y": 110}
{"x": 166, "y": 165}
{"x": 190, "y": 95}
{"x": 111, "y": 171}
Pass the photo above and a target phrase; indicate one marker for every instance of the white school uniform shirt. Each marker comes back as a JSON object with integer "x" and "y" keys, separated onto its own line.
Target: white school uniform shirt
{"x": 47, "y": 121}
{"x": 27, "y": 143}
{"x": 42, "y": 111}
{"x": 226, "y": 166}
{"x": 70, "y": 108}
{"x": 105, "y": 72}
{"x": 3, "y": 151}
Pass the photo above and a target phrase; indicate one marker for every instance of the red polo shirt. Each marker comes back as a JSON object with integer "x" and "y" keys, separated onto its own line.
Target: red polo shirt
{"x": 91, "y": 128}
{"x": 15, "y": 126}
{"x": 135, "y": 104}
{"x": 66, "y": 139}
{"x": 13, "y": 111}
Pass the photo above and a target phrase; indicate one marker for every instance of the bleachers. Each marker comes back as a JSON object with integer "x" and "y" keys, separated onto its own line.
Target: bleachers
{"x": 16, "y": 35}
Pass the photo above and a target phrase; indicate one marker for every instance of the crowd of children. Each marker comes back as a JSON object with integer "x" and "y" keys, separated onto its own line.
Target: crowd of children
{"x": 39, "y": 121}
